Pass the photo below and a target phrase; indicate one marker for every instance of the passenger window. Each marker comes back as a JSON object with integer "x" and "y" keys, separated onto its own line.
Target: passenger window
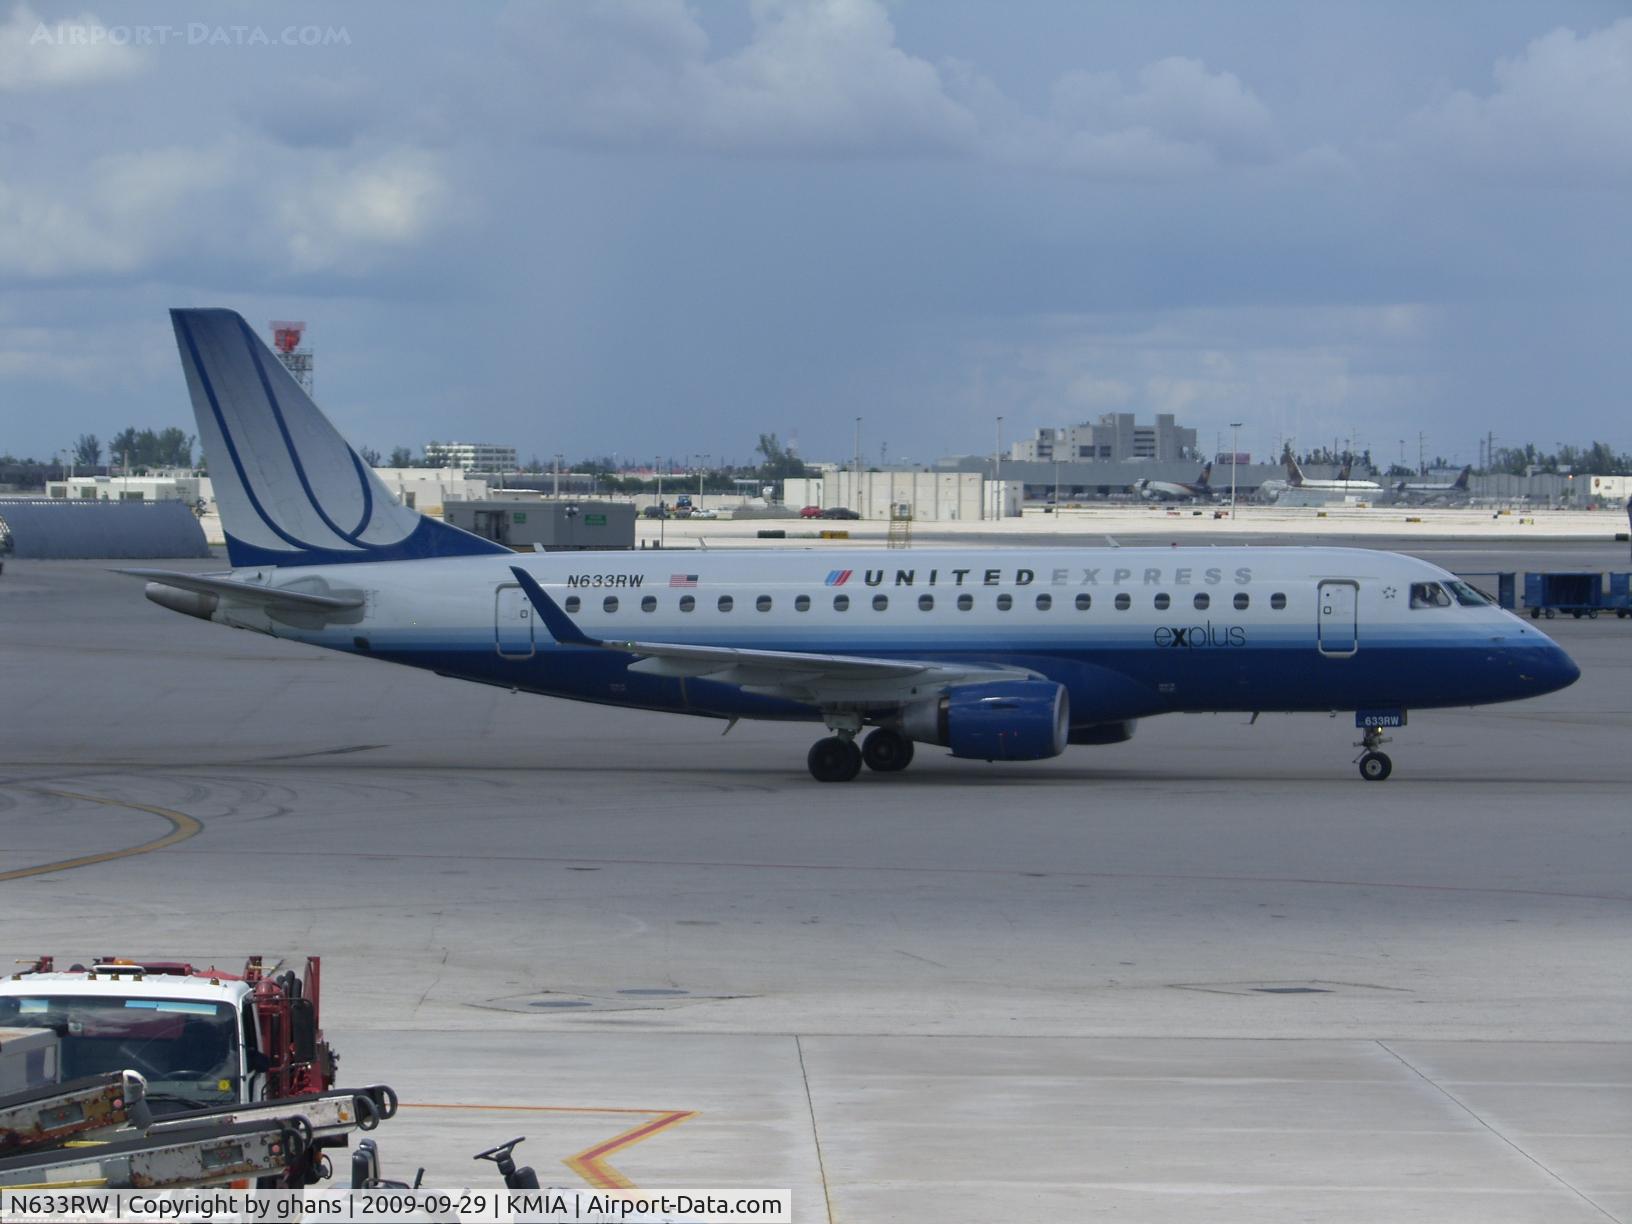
{"x": 763, "y": 603}
{"x": 926, "y": 603}
{"x": 1242, "y": 599}
{"x": 1045, "y": 602}
{"x": 1429, "y": 595}
{"x": 880, "y": 602}
{"x": 574, "y": 603}
{"x": 1277, "y": 601}
{"x": 1005, "y": 602}
{"x": 726, "y": 603}
{"x": 801, "y": 603}
{"x": 965, "y": 602}
{"x": 1162, "y": 602}
{"x": 1124, "y": 601}
{"x": 649, "y": 604}
{"x": 610, "y": 603}
{"x": 841, "y": 603}
{"x": 1084, "y": 602}
{"x": 1203, "y": 601}
{"x": 687, "y": 602}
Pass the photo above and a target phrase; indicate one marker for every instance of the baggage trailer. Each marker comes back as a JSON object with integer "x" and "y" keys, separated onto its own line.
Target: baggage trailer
{"x": 1620, "y": 594}
{"x": 1579, "y": 593}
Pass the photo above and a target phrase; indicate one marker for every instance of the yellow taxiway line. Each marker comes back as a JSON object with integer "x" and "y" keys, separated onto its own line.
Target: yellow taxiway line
{"x": 590, "y": 1164}
{"x": 182, "y": 826}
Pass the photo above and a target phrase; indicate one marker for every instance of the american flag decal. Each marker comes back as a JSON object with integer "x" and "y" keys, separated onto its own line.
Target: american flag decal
{"x": 682, "y": 580}
{"x": 838, "y": 577}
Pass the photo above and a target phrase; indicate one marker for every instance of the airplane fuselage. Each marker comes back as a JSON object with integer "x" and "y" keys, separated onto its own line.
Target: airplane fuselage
{"x": 1129, "y": 632}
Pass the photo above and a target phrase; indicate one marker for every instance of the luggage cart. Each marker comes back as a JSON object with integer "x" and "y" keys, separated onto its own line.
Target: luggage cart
{"x": 1579, "y": 593}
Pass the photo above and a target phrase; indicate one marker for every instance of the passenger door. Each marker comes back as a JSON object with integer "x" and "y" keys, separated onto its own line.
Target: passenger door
{"x": 1338, "y": 611}
{"x": 513, "y": 622}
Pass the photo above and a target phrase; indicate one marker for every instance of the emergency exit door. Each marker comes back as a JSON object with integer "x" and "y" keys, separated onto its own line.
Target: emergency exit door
{"x": 1338, "y": 627}
{"x": 513, "y": 622}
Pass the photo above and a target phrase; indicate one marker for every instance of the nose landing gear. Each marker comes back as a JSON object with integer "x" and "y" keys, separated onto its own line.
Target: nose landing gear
{"x": 1374, "y": 766}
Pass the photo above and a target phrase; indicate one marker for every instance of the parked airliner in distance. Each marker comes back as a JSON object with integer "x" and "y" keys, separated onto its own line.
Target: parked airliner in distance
{"x": 1175, "y": 490}
{"x": 1427, "y": 491}
{"x": 996, "y": 654}
{"x": 1297, "y": 480}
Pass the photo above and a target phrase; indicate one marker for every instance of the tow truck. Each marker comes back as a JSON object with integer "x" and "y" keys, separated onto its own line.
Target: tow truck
{"x": 200, "y": 1037}
{"x": 211, "y": 1049}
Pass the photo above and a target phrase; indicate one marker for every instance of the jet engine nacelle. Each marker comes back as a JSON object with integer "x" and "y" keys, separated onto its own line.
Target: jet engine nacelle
{"x": 1005, "y": 720}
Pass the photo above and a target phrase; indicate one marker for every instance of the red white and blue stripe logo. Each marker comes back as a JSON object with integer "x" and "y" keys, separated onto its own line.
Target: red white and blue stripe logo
{"x": 682, "y": 580}
{"x": 838, "y": 577}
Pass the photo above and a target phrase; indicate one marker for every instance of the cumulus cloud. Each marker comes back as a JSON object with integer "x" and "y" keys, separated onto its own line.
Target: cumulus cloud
{"x": 129, "y": 214}
{"x": 348, "y": 210}
{"x": 826, "y": 77}
{"x": 77, "y": 51}
{"x": 1563, "y": 107}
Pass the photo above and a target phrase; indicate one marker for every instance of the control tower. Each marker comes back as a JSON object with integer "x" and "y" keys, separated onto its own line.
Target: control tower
{"x": 286, "y": 339}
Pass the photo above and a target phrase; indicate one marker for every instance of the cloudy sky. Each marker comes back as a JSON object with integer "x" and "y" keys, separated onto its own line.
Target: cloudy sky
{"x": 656, "y": 228}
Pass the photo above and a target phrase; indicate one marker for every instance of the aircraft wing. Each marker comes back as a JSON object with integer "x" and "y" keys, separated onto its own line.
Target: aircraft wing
{"x": 249, "y": 591}
{"x": 821, "y": 679}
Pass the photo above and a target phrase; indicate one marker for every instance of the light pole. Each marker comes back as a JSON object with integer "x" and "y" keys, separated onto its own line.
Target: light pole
{"x": 855, "y": 490}
{"x": 997, "y": 471}
{"x": 702, "y": 467}
{"x": 555, "y": 479}
{"x": 662, "y": 521}
{"x": 1235, "y": 457}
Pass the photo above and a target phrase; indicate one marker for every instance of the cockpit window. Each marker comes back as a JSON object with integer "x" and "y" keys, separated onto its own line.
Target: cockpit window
{"x": 1469, "y": 596}
{"x": 1429, "y": 595}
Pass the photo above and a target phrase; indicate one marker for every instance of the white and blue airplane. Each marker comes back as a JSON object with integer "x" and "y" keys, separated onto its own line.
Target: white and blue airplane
{"x": 997, "y": 654}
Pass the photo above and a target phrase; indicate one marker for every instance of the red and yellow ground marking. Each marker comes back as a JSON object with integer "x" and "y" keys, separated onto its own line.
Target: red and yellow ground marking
{"x": 591, "y": 1163}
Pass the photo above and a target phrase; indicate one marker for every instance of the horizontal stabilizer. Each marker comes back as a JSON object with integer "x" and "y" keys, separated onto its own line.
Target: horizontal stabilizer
{"x": 250, "y": 592}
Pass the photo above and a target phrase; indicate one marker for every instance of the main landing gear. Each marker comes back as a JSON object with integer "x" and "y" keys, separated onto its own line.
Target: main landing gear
{"x": 1374, "y": 766}
{"x": 838, "y": 759}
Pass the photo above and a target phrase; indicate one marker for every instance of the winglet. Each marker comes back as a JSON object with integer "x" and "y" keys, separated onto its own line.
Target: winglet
{"x": 556, "y": 621}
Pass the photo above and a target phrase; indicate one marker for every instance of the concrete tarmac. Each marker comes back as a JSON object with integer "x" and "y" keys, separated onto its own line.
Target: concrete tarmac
{"x": 1208, "y": 974}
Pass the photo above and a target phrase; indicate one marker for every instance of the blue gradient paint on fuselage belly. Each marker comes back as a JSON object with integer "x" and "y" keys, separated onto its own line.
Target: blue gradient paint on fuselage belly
{"x": 1105, "y": 684}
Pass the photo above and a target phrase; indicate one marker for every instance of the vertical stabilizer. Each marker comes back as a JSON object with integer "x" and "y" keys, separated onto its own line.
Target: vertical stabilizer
{"x": 290, "y": 490}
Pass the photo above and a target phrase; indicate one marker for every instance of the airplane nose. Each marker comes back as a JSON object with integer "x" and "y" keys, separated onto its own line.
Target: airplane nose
{"x": 1546, "y": 669}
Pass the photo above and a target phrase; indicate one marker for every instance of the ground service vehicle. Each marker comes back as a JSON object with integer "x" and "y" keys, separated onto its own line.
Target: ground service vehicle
{"x": 200, "y": 1037}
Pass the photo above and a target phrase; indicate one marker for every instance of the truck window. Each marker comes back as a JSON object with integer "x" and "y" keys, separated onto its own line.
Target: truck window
{"x": 187, "y": 1050}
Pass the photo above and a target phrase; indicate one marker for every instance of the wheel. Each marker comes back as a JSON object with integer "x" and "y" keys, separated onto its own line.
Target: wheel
{"x": 1592, "y": 613}
{"x": 886, "y": 751}
{"x": 1576, "y": 614}
{"x": 1535, "y": 613}
{"x": 1551, "y": 612}
{"x": 1375, "y": 766}
{"x": 834, "y": 759}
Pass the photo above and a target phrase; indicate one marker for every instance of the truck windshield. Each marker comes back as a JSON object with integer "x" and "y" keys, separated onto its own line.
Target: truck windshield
{"x": 188, "y": 1051}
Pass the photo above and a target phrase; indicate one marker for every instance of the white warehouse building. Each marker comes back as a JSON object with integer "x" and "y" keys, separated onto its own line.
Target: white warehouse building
{"x": 947, "y": 496}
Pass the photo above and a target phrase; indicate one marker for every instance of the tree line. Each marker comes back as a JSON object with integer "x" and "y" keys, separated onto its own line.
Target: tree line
{"x": 133, "y": 448}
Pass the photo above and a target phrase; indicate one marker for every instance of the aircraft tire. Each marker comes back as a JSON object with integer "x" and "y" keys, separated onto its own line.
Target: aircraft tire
{"x": 886, "y": 751}
{"x": 1376, "y": 766}
{"x": 834, "y": 759}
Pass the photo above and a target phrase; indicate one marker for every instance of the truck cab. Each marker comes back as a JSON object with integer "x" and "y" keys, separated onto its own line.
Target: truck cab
{"x": 201, "y": 1038}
